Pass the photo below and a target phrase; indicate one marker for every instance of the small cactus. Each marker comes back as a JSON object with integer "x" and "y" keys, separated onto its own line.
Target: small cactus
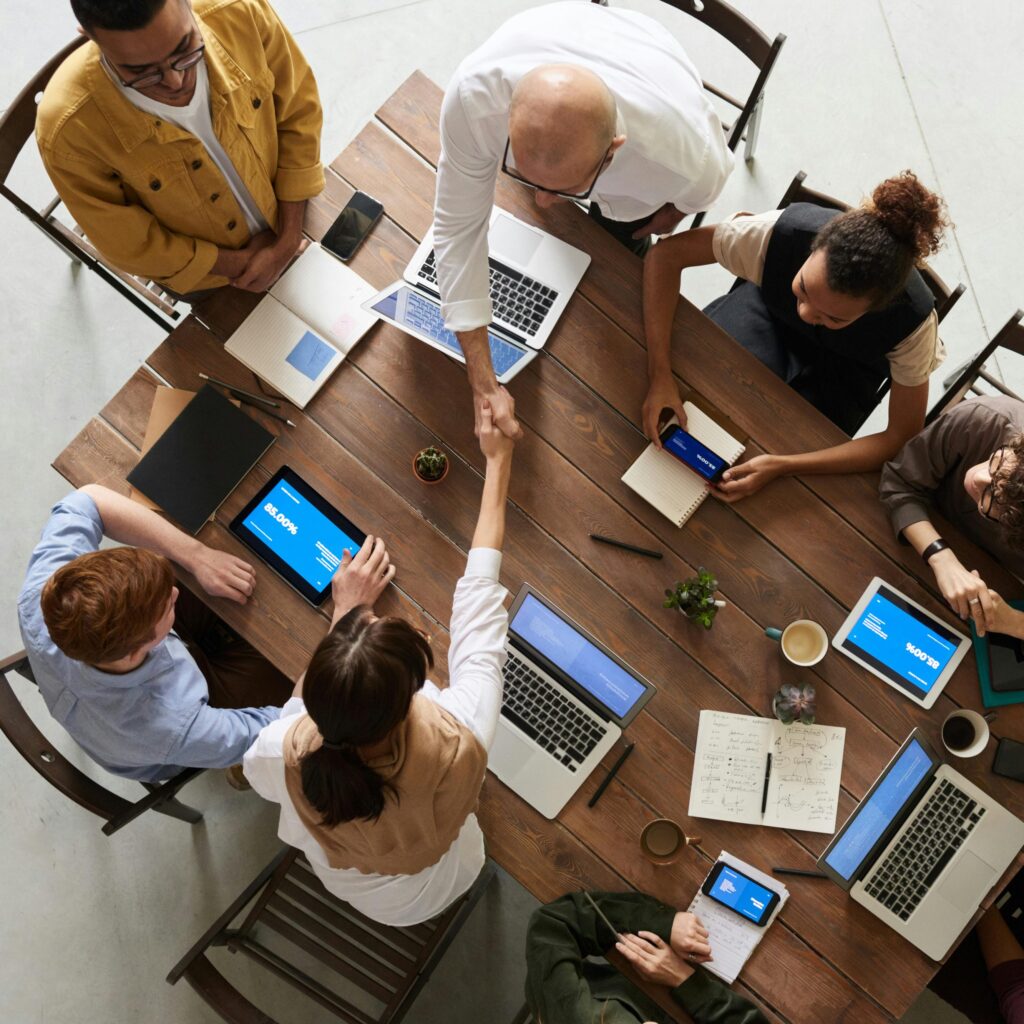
{"x": 696, "y": 598}
{"x": 431, "y": 463}
{"x": 795, "y": 704}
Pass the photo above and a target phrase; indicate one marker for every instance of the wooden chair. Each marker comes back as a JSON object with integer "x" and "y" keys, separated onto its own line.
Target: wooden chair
{"x": 34, "y": 747}
{"x": 17, "y": 126}
{"x": 964, "y": 380}
{"x": 387, "y": 965}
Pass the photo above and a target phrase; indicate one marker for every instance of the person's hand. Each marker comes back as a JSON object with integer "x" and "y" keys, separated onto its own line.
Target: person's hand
{"x": 662, "y": 394}
{"x": 654, "y": 959}
{"x": 493, "y": 443}
{"x": 689, "y": 938}
{"x": 1002, "y": 618}
{"x": 503, "y": 411}
{"x": 224, "y": 575}
{"x": 663, "y": 222}
{"x": 965, "y": 591}
{"x": 747, "y": 478}
{"x": 267, "y": 261}
{"x": 362, "y": 579}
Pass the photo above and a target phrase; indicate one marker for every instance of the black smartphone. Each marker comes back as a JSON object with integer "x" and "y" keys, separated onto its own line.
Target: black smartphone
{"x": 354, "y": 223}
{"x": 691, "y": 453}
{"x": 1009, "y": 760}
{"x": 740, "y": 893}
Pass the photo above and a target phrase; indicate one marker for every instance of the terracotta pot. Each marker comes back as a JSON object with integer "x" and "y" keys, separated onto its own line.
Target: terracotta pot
{"x": 423, "y": 480}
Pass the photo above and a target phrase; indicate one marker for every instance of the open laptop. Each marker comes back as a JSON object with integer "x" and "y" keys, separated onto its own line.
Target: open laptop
{"x": 566, "y": 701}
{"x": 923, "y": 848}
{"x": 533, "y": 276}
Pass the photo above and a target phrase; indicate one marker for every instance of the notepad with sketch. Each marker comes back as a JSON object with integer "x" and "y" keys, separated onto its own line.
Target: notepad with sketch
{"x": 673, "y": 489}
{"x": 729, "y": 771}
{"x": 302, "y": 330}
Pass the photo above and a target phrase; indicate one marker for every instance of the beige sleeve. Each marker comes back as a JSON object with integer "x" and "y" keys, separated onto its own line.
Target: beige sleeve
{"x": 741, "y": 242}
{"x": 916, "y": 357}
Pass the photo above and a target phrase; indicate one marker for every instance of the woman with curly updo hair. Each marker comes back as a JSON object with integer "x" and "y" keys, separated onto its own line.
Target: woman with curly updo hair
{"x": 831, "y": 302}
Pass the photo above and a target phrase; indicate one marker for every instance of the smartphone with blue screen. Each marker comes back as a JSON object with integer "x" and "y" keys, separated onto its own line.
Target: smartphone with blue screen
{"x": 740, "y": 893}
{"x": 692, "y": 454}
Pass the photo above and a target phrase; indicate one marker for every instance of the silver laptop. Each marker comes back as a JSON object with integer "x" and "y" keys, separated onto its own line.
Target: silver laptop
{"x": 533, "y": 276}
{"x": 923, "y": 848}
{"x": 566, "y": 701}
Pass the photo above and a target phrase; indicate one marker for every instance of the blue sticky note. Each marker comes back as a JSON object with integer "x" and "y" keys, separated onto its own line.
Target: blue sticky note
{"x": 310, "y": 355}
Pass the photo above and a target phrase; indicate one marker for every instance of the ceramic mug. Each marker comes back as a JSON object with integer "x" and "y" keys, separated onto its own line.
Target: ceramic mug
{"x": 803, "y": 642}
{"x": 965, "y": 733}
{"x": 662, "y": 840}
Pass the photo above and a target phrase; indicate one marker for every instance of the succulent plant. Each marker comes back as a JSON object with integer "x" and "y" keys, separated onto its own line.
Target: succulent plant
{"x": 695, "y": 598}
{"x": 795, "y": 704}
{"x": 431, "y": 463}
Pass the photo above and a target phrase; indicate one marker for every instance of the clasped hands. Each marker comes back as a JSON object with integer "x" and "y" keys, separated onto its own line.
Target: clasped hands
{"x": 265, "y": 257}
{"x": 969, "y": 596}
{"x": 667, "y": 963}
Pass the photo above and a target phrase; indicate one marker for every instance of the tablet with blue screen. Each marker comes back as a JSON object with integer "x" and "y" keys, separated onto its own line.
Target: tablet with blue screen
{"x": 901, "y": 643}
{"x": 298, "y": 533}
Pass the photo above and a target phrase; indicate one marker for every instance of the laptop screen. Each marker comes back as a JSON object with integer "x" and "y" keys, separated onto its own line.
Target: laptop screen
{"x": 569, "y": 650}
{"x": 883, "y": 806}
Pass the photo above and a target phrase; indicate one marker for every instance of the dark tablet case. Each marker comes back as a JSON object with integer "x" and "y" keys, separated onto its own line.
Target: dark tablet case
{"x": 200, "y": 459}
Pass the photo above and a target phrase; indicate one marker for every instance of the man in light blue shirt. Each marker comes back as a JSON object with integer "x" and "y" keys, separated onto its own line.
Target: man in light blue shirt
{"x": 97, "y": 626}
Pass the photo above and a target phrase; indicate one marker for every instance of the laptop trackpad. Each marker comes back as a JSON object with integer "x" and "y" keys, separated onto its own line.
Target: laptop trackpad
{"x": 513, "y": 241}
{"x": 967, "y": 883}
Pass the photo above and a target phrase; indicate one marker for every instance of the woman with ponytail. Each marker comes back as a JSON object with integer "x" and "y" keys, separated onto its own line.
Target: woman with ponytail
{"x": 831, "y": 302}
{"x": 377, "y": 770}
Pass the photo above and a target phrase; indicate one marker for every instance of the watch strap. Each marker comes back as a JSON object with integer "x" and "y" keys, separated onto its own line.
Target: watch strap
{"x": 934, "y": 548}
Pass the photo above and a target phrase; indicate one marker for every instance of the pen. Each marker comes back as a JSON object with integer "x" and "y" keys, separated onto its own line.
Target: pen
{"x": 239, "y": 393}
{"x": 612, "y": 772}
{"x": 767, "y": 776}
{"x": 799, "y": 871}
{"x": 202, "y": 323}
{"x": 267, "y": 412}
{"x": 626, "y": 547}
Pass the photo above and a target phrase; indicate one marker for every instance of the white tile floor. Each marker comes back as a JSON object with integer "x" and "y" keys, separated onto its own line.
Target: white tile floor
{"x": 91, "y": 925}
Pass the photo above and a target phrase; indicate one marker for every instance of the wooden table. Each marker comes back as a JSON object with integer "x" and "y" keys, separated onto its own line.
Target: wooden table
{"x": 800, "y": 548}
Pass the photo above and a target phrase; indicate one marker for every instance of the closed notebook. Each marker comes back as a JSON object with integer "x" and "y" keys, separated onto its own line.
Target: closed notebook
{"x": 673, "y": 489}
{"x": 200, "y": 459}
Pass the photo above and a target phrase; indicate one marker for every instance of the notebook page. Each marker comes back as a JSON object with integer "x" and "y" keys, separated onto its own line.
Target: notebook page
{"x": 279, "y": 347}
{"x": 712, "y": 433}
{"x": 328, "y": 295}
{"x": 807, "y": 762}
{"x": 729, "y": 765}
{"x": 669, "y": 486}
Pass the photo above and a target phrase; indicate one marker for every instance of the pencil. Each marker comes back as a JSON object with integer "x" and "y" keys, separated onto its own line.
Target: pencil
{"x": 266, "y": 412}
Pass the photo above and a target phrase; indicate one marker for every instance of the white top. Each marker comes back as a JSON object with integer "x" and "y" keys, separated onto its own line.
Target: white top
{"x": 195, "y": 119}
{"x": 476, "y": 655}
{"x": 675, "y": 149}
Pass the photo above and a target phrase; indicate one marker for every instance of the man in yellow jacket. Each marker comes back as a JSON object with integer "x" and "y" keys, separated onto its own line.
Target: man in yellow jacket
{"x": 185, "y": 139}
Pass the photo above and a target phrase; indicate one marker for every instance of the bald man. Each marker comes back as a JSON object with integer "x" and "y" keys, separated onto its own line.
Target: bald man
{"x": 573, "y": 100}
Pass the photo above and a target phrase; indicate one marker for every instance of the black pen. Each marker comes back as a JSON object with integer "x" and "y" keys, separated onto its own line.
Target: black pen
{"x": 239, "y": 393}
{"x": 626, "y": 547}
{"x": 267, "y": 412}
{"x": 767, "y": 777}
{"x": 799, "y": 871}
{"x": 612, "y": 772}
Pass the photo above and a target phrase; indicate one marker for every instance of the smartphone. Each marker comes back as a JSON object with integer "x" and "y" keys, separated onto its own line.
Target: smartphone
{"x": 1009, "y": 760}
{"x": 354, "y": 223}
{"x": 751, "y": 900}
{"x": 690, "y": 452}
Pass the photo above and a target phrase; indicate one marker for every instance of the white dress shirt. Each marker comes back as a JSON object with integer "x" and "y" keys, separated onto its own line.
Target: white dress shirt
{"x": 476, "y": 655}
{"x": 675, "y": 149}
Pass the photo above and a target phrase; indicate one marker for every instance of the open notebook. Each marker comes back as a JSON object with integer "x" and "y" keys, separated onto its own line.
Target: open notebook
{"x": 302, "y": 330}
{"x": 673, "y": 489}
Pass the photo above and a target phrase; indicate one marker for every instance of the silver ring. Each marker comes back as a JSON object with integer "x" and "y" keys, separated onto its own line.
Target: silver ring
{"x": 975, "y": 600}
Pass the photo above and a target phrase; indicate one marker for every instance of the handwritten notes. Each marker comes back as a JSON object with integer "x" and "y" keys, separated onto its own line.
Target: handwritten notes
{"x": 729, "y": 769}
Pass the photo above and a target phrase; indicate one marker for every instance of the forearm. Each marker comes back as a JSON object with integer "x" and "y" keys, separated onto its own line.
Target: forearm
{"x": 490, "y": 524}
{"x": 230, "y": 263}
{"x": 859, "y": 455}
{"x": 290, "y": 217}
{"x": 479, "y": 370}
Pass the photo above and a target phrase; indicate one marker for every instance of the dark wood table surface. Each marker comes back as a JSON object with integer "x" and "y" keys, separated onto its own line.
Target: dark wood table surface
{"x": 799, "y": 548}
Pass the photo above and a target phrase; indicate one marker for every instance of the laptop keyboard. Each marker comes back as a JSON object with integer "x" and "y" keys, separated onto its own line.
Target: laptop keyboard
{"x": 938, "y": 830}
{"x": 542, "y": 711}
{"x": 517, "y": 299}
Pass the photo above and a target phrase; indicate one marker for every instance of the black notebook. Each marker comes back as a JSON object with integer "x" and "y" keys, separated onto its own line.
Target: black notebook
{"x": 200, "y": 459}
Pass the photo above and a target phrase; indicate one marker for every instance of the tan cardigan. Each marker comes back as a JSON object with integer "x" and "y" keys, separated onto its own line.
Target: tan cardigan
{"x": 436, "y": 767}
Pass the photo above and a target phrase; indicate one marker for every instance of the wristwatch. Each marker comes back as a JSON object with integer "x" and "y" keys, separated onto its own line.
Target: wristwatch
{"x": 934, "y": 548}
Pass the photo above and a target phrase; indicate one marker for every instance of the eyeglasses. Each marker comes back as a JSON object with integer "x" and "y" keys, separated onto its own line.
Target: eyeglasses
{"x": 513, "y": 173}
{"x": 182, "y": 63}
{"x": 988, "y": 496}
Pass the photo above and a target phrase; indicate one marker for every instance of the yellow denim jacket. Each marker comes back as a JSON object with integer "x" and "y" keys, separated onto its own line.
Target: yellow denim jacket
{"x": 144, "y": 191}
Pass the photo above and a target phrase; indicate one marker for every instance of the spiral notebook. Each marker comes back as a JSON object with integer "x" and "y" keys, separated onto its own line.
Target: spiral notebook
{"x": 673, "y": 489}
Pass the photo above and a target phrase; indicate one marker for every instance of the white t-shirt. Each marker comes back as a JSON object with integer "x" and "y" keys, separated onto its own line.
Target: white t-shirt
{"x": 476, "y": 655}
{"x": 195, "y": 119}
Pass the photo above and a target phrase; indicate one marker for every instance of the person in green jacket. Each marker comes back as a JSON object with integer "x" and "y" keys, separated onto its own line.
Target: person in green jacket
{"x": 563, "y": 987}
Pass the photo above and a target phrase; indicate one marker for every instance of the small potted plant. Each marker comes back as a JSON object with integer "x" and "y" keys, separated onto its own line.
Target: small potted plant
{"x": 695, "y": 598}
{"x": 795, "y": 704}
{"x": 430, "y": 465}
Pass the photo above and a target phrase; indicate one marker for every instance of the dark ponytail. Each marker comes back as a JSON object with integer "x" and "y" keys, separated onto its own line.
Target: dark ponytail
{"x": 358, "y": 687}
{"x": 870, "y": 251}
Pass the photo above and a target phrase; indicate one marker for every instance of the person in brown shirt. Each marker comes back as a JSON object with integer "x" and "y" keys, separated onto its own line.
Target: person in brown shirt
{"x": 969, "y": 466}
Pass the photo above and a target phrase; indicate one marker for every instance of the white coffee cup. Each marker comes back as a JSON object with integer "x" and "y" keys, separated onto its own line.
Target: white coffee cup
{"x": 975, "y": 722}
{"x": 803, "y": 642}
